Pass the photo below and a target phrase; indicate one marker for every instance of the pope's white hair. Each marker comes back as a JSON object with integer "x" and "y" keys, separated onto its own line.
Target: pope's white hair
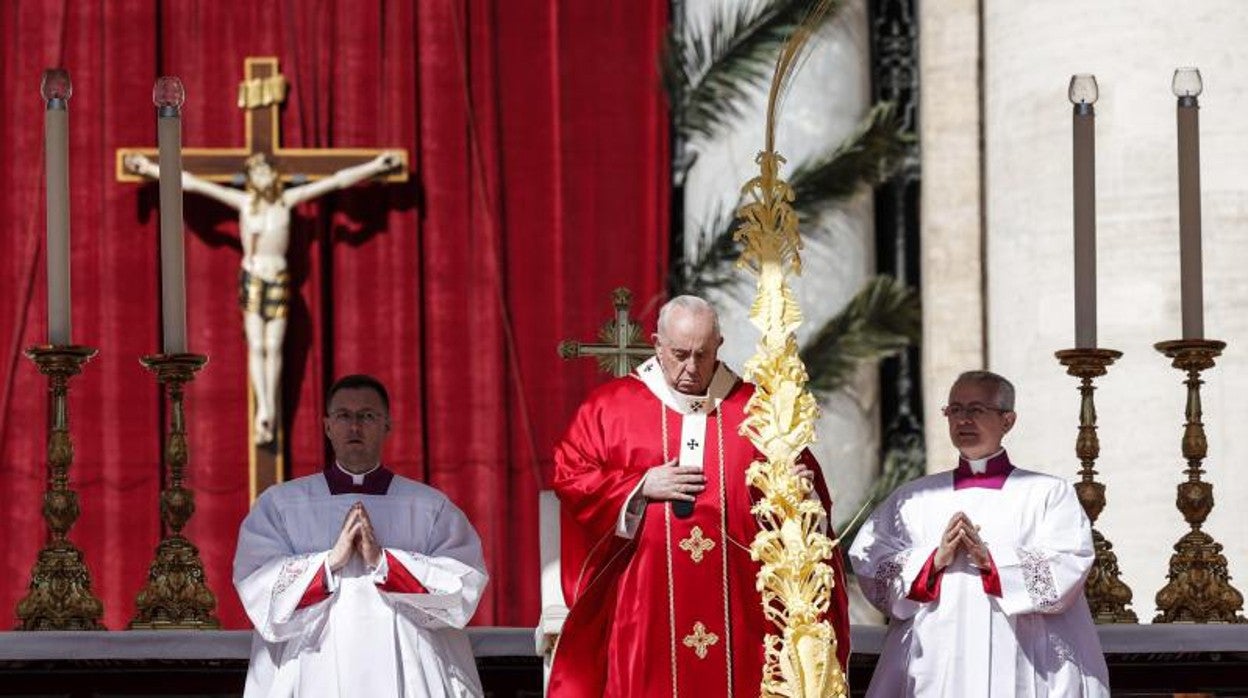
{"x": 690, "y": 304}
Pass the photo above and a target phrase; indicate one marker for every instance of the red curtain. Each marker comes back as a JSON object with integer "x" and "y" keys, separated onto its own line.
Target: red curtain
{"x": 538, "y": 143}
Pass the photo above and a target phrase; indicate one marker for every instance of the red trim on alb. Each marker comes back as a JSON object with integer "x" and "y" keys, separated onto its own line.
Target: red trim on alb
{"x": 399, "y": 579}
{"x": 316, "y": 592}
{"x": 923, "y": 591}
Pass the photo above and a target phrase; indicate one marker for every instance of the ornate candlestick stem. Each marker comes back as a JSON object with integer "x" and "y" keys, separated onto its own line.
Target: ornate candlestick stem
{"x": 1108, "y": 596}
{"x": 60, "y": 595}
{"x": 1199, "y": 589}
{"x": 176, "y": 595}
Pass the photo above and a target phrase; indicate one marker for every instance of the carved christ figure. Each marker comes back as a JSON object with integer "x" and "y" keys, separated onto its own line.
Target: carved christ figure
{"x": 264, "y": 207}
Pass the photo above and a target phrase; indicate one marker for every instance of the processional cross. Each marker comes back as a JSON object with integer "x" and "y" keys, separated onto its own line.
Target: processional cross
{"x": 260, "y": 96}
{"x": 621, "y": 348}
{"x": 620, "y": 351}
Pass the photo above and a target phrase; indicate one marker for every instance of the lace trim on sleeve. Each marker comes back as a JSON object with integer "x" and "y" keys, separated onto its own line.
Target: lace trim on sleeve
{"x": 291, "y": 570}
{"x": 887, "y": 574}
{"x": 1038, "y": 579}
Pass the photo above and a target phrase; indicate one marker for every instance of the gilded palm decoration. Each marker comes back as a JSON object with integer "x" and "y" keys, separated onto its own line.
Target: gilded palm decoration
{"x": 794, "y": 578}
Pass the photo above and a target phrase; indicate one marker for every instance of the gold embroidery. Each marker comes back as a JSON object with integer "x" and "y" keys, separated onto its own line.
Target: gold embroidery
{"x": 696, "y": 544}
{"x": 723, "y": 538}
{"x": 700, "y": 640}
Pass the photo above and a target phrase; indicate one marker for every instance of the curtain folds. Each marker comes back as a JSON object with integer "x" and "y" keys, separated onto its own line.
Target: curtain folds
{"x": 538, "y": 142}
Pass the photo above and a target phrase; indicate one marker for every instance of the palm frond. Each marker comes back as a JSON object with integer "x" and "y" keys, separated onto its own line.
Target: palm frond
{"x": 711, "y": 72}
{"x": 882, "y": 319}
{"x": 870, "y": 156}
{"x": 713, "y": 262}
{"x": 792, "y": 55}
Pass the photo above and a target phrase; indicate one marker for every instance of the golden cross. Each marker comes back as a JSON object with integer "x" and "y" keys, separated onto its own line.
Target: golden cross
{"x": 696, "y": 545}
{"x": 700, "y": 640}
{"x": 621, "y": 349}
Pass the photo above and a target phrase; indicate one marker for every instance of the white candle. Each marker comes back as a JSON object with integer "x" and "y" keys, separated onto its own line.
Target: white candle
{"x": 1187, "y": 87}
{"x": 168, "y": 96}
{"x": 56, "y": 90}
{"x": 1083, "y": 94}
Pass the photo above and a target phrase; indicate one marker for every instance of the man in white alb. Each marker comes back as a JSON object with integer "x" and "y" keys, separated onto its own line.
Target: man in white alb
{"x": 359, "y": 582}
{"x": 980, "y": 570}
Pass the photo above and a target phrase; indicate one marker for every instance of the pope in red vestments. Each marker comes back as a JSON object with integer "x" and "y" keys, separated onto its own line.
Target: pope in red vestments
{"x": 663, "y": 601}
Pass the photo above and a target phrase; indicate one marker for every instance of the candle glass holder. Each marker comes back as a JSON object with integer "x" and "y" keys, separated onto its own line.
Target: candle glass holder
{"x": 1198, "y": 588}
{"x": 176, "y": 595}
{"x": 1108, "y": 596}
{"x": 60, "y": 596}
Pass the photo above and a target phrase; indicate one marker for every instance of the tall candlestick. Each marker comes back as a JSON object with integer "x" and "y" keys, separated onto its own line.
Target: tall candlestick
{"x": 56, "y": 90}
{"x": 168, "y": 95}
{"x": 1187, "y": 87}
{"x": 1083, "y": 94}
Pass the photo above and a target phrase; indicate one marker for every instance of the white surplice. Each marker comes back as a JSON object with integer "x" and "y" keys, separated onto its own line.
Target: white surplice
{"x": 1036, "y": 640}
{"x": 361, "y": 641}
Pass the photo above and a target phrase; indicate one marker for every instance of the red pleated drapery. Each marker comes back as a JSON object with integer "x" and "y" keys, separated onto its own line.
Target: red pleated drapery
{"x": 538, "y": 143}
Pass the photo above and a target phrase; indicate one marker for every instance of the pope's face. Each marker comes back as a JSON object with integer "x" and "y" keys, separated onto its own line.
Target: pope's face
{"x": 976, "y": 423}
{"x": 357, "y": 424}
{"x": 687, "y": 349}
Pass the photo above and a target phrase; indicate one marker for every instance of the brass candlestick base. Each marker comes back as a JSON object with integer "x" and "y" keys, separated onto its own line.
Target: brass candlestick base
{"x": 1199, "y": 589}
{"x": 1108, "y": 596}
{"x": 60, "y": 595}
{"x": 176, "y": 595}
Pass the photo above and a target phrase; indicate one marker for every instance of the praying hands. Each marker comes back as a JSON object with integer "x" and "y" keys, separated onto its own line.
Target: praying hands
{"x": 964, "y": 535}
{"x": 357, "y": 534}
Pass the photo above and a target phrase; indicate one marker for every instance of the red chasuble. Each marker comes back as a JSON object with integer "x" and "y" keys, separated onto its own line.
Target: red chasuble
{"x": 672, "y": 611}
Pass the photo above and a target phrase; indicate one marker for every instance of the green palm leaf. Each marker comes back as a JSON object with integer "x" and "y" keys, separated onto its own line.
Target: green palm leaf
{"x": 869, "y": 156}
{"x": 713, "y": 262}
{"x": 710, "y": 73}
{"x": 904, "y": 461}
{"x": 882, "y": 319}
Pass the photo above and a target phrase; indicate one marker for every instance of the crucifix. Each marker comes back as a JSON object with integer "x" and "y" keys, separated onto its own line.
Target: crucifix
{"x": 621, "y": 349}
{"x": 275, "y": 181}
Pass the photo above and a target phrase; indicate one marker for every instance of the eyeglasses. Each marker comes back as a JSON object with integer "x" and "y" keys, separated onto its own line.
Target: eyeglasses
{"x": 973, "y": 411}
{"x": 366, "y": 418}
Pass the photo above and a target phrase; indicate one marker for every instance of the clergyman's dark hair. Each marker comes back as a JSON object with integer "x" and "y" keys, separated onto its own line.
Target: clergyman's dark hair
{"x": 356, "y": 381}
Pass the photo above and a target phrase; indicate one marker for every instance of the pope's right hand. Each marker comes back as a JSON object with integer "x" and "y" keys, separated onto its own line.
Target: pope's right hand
{"x": 673, "y": 482}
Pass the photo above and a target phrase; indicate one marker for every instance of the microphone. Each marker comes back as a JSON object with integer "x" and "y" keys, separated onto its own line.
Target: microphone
{"x": 682, "y": 509}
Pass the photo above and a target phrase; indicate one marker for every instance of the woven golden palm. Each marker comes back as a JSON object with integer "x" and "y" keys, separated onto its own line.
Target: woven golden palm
{"x": 794, "y": 578}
